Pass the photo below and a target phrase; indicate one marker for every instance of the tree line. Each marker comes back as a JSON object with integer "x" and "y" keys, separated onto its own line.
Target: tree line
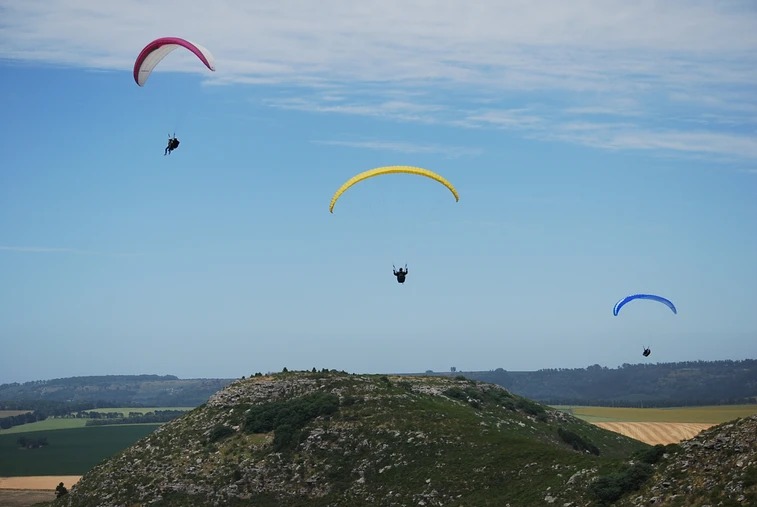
{"x": 688, "y": 383}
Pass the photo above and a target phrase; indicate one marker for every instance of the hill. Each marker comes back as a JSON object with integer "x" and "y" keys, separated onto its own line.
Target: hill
{"x": 336, "y": 439}
{"x": 661, "y": 384}
{"x": 717, "y": 467}
{"x": 116, "y": 390}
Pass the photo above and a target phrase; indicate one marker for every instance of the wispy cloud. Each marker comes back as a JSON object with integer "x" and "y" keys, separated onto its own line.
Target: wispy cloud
{"x": 60, "y": 250}
{"x": 539, "y": 67}
{"x": 405, "y": 147}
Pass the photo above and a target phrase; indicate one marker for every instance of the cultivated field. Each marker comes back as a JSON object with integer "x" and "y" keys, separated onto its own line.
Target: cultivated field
{"x": 11, "y": 413}
{"x": 660, "y": 425}
{"x": 69, "y": 451}
{"x": 65, "y": 423}
{"x": 40, "y": 482}
{"x": 28, "y": 491}
{"x": 26, "y": 497}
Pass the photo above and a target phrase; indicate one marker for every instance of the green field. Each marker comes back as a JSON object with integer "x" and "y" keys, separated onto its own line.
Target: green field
{"x": 46, "y": 425}
{"x": 70, "y": 451}
{"x": 714, "y": 414}
{"x": 65, "y": 423}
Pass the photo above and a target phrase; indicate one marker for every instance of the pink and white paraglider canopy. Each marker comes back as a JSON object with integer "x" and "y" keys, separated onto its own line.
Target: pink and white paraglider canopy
{"x": 155, "y": 51}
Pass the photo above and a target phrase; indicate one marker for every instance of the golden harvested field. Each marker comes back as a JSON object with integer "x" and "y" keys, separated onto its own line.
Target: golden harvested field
{"x": 654, "y": 433}
{"x": 660, "y": 425}
{"x": 38, "y": 482}
{"x": 29, "y": 491}
{"x": 712, "y": 414}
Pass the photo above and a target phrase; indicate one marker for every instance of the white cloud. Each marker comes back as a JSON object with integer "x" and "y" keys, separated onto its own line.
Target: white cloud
{"x": 43, "y": 250}
{"x": 405, "y": 147}
{"x": 540, "y": 65}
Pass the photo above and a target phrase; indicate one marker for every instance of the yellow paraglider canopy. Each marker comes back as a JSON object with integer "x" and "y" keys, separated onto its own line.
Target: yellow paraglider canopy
{"x": 392, "y": 169}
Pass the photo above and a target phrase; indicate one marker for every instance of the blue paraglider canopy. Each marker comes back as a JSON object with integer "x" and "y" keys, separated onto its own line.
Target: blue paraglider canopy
{"x": 620, "y": 304}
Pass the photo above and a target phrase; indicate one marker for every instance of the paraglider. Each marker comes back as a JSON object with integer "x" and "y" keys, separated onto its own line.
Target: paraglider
{"x": 152, "y": 54}
{"x": 620, "y": 304}
{"x": 400, "y": 274}
{"x": 391, "y": 170}
{"x": 652, "y": 297}
{"x": 155, "y": 51}
{"x": 173, "y": 143}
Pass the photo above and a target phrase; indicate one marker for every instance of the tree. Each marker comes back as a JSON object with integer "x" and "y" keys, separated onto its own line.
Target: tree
{"x": 60, "y": 490}
{"x": 453, "y": 369}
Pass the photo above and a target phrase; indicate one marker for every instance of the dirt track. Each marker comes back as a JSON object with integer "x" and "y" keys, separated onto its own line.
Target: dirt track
{"x": 656, "y": 432}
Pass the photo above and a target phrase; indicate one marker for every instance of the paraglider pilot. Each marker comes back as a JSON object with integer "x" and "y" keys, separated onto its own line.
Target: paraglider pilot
{"x": 646, "y": 352}
{"x": 173, "y": 143}
{"x": 400, "y": 274}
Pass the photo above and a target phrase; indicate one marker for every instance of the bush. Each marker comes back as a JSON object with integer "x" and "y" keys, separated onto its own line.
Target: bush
{"x": 287, "y": 418}
{"x": 651, "y": 455}
{"x": 575, "y": 441}
{"x": 530, "y": 407}
{"x": 219, "y": 432}
{"x": 455, "y": 393}
{"x": 612, "y": 487}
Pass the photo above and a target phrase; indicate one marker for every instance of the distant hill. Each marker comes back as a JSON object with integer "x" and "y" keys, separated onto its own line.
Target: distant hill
{"x": 116, "y": 390}
{"x": 649, "y": 385}
{"x": 334, "y": 439}
{"x": 660, "y": 384}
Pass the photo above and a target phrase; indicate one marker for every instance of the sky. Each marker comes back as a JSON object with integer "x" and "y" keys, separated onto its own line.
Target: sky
{"x": 600, "y": 149}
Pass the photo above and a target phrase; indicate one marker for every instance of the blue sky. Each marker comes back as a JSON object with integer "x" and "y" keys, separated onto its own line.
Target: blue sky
{"x": 600, "y": 149}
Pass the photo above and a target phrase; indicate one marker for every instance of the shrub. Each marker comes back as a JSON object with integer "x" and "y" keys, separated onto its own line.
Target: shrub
{"x": 219, "y": 432}
{"x": 612, "y": 487}
{"x": 651, "y": 455}
{"x": 287, "y": 418}
{"x": 577, "y": 442}
{"x": 530, "y": 407}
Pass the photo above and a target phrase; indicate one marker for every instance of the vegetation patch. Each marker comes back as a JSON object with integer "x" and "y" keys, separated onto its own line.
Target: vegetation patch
{"x": 610, "y": 488}
{"x": 578, "y": 443}
{"x": 287, "y": 418}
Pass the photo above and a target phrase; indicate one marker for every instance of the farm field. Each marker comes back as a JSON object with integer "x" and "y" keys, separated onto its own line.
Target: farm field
{"x": 62, "y": 423}
{"x": 712, "y": 414}
{"x": 70, "y": 451}
{"x": 49, "y": 424}
{"x": 39, "y": 482}
{"x": 659, "y": 425}
{"x": 11, "y": 413}
{"x": 25, "y": 497}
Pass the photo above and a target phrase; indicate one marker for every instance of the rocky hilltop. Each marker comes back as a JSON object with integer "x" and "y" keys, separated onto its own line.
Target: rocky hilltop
{"x": 335, "y": 439}
{"x": 718, "y": 467}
